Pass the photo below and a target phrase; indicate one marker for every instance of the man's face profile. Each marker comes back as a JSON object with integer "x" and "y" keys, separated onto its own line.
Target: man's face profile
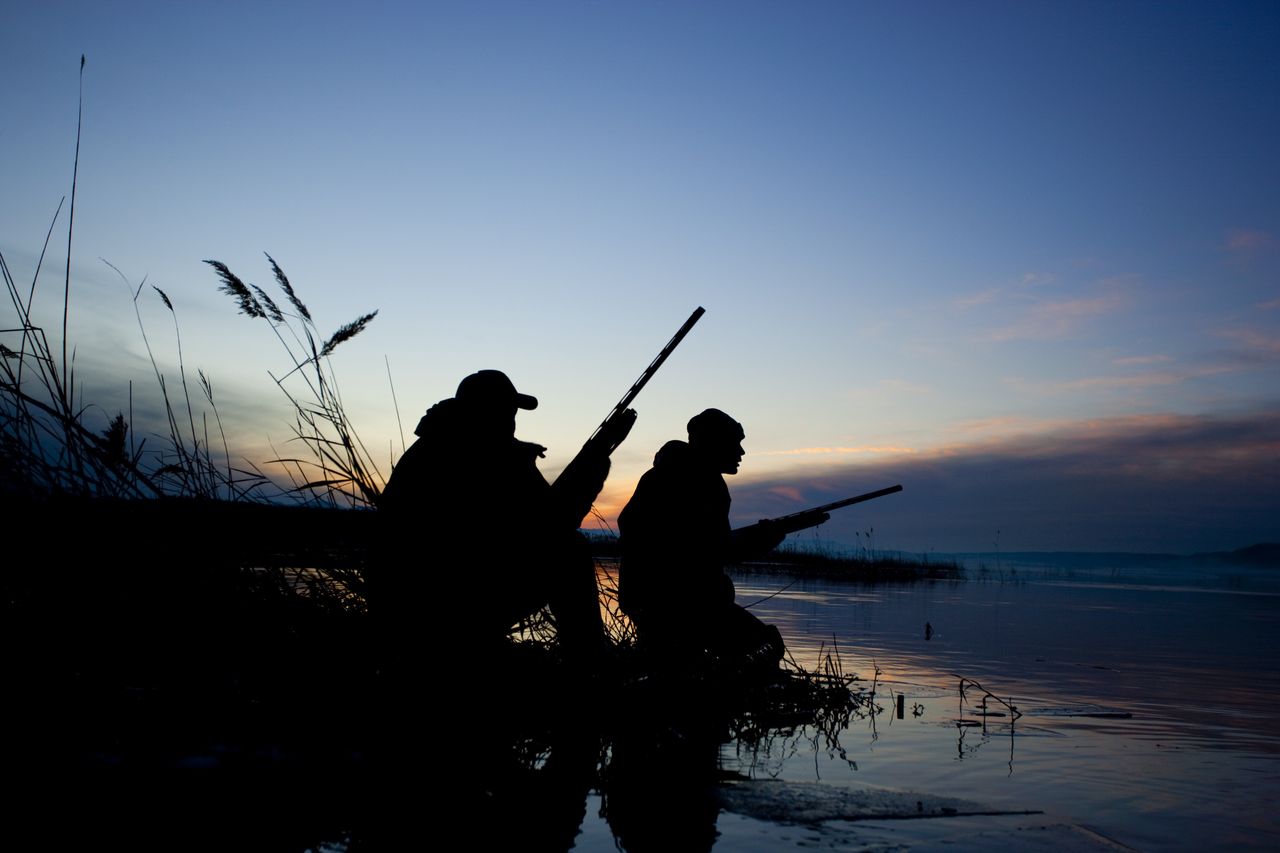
{"x": 722, "y": 452}
{"x": 717, "y": 438}
{"x": 729, "y": 455}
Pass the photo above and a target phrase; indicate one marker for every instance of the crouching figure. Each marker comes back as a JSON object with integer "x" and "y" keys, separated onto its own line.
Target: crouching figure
{"x": 676, "y": 541}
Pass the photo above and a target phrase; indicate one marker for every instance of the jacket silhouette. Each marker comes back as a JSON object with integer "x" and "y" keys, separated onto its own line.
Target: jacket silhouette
{"x": 675, "y": 541}
{"x": 476, "y": 538}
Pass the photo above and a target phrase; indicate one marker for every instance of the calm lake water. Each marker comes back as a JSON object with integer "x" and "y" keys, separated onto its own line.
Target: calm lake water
{"x": 1148, "y": 687}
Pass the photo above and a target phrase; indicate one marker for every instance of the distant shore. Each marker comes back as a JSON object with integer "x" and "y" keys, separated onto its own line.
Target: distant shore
{"x": 865, "y": 566}
{"x": 868, "y": 565}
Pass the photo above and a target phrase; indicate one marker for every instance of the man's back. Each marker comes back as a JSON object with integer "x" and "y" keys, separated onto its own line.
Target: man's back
{"x": 474, "y": 538}
{"x": 674, "y": 537}
{"x": 675, "y": 542}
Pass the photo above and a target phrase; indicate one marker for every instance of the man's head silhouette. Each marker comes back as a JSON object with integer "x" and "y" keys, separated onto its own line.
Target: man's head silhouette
{"x": 492, "y": 389}
{"x": 716, "y": 437}
{"x": 489, "y": 401}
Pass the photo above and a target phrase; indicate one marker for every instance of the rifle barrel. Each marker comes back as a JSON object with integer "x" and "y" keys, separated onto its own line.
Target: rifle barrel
{"x": 879, "y": 493}
{"x": 639, "y": 384}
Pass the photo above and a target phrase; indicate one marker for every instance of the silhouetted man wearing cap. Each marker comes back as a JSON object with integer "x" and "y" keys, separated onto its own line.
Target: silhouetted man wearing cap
{"x": 478, "y": 538}
{"x": 676, "y": 541}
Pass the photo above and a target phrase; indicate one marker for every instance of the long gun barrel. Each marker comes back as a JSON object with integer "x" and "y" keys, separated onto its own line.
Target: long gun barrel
{"x": 816, "y": 515}
{"x": 594, "y": 442}
{"x": 583, "y": 476}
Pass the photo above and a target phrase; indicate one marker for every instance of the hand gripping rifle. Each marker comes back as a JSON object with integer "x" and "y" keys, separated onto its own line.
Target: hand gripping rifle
{"x": 615, "y": 427}
{"x": 785, "y": 524}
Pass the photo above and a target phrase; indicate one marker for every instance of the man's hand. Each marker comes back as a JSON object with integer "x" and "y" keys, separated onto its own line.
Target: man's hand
{"x": 617, "y": 429}
{"x": 770, "y": 536}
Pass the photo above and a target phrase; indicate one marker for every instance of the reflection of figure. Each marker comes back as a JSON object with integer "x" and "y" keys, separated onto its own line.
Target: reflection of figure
{"x": 675, "y": 542}
{"x": 487, "y": 771}
{"x": 660, "y": 787}
{"x": 477, "y": 538}
{"x": 543, "y": 807}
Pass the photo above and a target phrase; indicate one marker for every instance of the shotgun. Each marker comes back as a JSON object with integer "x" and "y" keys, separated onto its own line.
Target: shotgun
{"x": 614, "y": 428}
{"x": 809, "y": 517}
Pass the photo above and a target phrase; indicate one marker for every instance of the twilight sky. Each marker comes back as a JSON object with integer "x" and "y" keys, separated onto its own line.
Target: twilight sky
{"x": 1023, "y": 258}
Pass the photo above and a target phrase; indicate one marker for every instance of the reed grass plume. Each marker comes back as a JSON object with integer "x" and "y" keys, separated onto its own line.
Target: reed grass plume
{"x": 337, "y": 468}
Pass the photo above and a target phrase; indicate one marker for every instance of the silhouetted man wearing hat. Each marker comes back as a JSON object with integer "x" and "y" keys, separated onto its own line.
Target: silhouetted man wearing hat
{"x": 478, "y": 538}
{"x": 676, "y": 541}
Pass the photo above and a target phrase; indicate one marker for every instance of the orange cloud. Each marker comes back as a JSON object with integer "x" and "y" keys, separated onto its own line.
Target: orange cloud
{"x": 790, "y": 493}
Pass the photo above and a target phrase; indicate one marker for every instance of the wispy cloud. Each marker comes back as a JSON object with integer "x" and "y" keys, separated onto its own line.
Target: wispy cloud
{"x": 1269, "y": 306}
{"x": 991, "y": 294}
{"x": 1141, "y": 359}
{"x": 834, "y": 451}
{"x": 904, "y": 386}
{"x": 1134, "y": 381}
{"x": 1150, "y": 482}
{"x": 1254, "y": 341}
{"x": 1252, "y": 349}
{"x": 986, "y": 429}
{"x": 1249, "y": 241}
{"x": 980, "y": 298}
{"x": 1140, "y": 380}
{"x": 1056, "y": 320}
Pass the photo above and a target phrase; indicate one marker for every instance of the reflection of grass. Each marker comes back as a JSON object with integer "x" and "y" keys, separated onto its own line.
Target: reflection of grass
{"x": 816, "y": 704}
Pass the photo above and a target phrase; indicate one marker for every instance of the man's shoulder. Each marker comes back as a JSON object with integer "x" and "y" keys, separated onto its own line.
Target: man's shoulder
{"x": 673, "y": 454}
{"x": 675, "y": 471}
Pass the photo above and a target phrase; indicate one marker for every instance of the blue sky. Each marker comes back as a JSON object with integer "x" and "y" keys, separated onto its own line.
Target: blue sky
{"x": 934, "y": 240}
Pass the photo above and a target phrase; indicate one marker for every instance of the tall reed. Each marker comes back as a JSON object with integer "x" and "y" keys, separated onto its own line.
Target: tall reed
{"x": 338, "y": 468}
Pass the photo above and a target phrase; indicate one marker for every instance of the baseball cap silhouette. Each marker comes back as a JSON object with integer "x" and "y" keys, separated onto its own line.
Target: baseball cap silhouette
{"x": 489, "y": 387}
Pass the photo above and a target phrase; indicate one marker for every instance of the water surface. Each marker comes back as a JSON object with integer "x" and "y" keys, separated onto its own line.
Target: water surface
{"x": 1148, "y": 690}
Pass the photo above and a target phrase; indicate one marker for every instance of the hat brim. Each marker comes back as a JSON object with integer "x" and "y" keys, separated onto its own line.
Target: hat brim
{"x": 524, "y": 401}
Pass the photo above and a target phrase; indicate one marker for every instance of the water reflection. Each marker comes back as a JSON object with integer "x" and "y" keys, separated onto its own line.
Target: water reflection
{"x": 659, "y": 788}
{"x": 1145, "y": 711}
{"x": 1149, "y": 704}
{"x": 1148, "y": 711}
{"x": 1191, "y": 659}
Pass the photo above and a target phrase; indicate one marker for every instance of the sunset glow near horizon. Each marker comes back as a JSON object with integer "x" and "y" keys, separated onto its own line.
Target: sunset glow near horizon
{"x": 1022, "y": 258}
